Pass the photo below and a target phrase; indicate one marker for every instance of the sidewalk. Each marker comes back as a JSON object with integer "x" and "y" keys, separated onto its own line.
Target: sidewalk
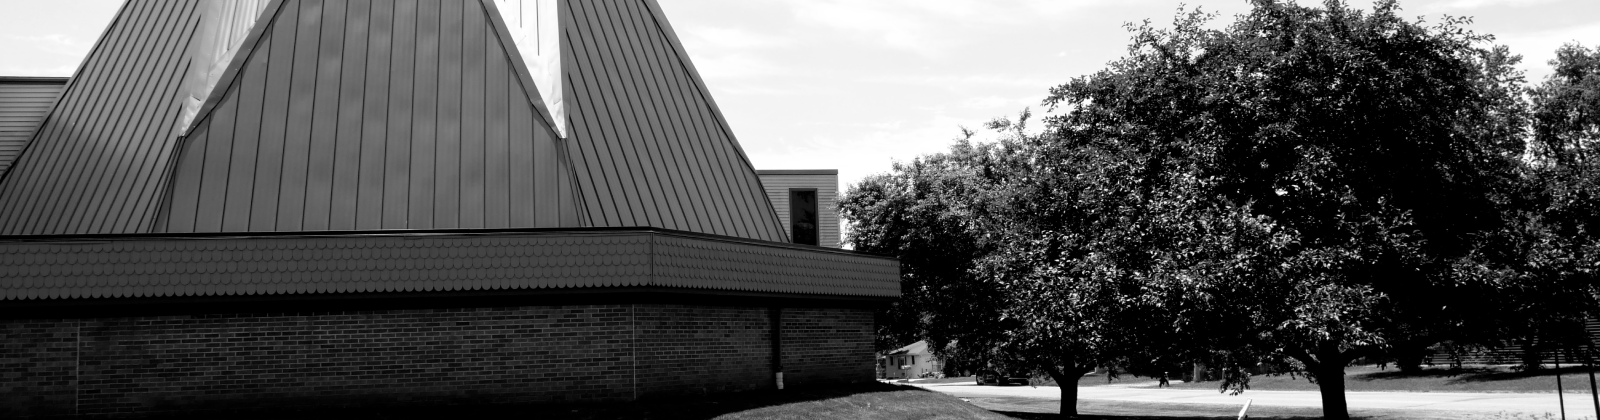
{"x": 1578, "y": 405}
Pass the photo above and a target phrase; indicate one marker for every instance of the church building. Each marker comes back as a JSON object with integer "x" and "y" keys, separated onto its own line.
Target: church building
{"x": 269, "y": 203}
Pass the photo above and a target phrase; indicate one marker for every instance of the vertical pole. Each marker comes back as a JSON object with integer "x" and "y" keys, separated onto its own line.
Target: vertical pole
{"x": 1588, "y": 361}
{"x": 1562, "y": 399}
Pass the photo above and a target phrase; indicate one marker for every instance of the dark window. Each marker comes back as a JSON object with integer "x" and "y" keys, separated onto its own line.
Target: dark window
{"x": 803, "y": 215}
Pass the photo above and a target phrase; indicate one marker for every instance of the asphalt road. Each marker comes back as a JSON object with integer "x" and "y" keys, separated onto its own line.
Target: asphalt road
{"x": 1578, "y": 405}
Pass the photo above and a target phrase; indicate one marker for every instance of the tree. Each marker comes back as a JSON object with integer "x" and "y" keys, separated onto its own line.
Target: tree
{"x": 1307, "y": 187}
{"x": 971, "y": 247}
{"x": 1379, "y": 156}
{"x": 1566, "y": 168}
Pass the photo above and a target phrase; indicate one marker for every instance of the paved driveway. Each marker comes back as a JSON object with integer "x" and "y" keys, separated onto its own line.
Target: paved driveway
{"x": 1578, "y": 405}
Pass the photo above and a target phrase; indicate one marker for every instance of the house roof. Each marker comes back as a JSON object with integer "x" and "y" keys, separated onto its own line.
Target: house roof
{"x": 359, "y": 115}
{"x": 920, "y": 347}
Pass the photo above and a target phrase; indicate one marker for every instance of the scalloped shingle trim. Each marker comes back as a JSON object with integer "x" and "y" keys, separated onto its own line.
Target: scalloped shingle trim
{"x": 173, "y": 267}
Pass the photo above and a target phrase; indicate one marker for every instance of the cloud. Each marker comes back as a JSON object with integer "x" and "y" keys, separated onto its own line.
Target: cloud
{"x": 739, "y": 66}
{"x": 1538, "y": 48}
{"x": 1460, "y": 5}
{"x": 734, "y": 38}
{"x": 57, "y": 44}
{"x": 958, "y": 82}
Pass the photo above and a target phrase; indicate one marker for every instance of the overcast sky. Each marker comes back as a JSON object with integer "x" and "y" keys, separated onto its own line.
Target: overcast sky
{"x": 857, "y": 84}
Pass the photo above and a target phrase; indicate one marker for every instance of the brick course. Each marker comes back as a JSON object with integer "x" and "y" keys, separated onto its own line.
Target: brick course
{"x": 508, "y": 354}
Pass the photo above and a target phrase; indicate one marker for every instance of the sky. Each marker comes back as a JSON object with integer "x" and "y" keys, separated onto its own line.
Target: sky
{"x": 856, "y": 85}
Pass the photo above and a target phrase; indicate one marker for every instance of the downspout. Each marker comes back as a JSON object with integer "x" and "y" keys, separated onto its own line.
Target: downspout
{"x": 775, "y": 314}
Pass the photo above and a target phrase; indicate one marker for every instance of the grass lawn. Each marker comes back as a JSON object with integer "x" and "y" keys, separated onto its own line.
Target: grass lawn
{"x": 862, "y": 401}
{"x": 1469, "y": 379}
{"x": 872, "y": 401}
{"x": 1574, "y": 380}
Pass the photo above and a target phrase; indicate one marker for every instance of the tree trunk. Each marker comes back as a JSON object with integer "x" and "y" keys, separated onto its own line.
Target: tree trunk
{"x": 1330, "y": 381}
{"x": 1067, "y": 381}
{"x": 1069, "y": 398}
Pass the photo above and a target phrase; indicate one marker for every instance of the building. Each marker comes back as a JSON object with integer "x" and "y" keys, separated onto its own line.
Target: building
{"x": 807, "y": 201}
{"x": 24, "y": 101}
{"x": 912, "y": 361}
{"x": 268, "y": 203}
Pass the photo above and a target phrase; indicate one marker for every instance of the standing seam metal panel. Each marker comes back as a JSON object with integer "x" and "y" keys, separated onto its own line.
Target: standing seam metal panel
{"x": 274, "y": 116}
{"x": 397, "y": 166}
{"x": 447, "y": 174}
{"x": 355, "y": 133}
{"x": 623, "y": 103}
{"x": 45, "y": 214}
{"x": 150, "y": 133}
{"x": 641, "y": 130}
{"x": 68, "y": 179}
{"x": 694, "y": 160}
{"x": 598, "y": 116}
{"x": 474, "y": 29}
{"x": 424, "y": 131}
{"x": 622, "y": 47}
{"x": 11, "y": 213}
{"x": 751, "y": 183}
{"x": 374, "y": 123}
{"x": 697, "y": 208}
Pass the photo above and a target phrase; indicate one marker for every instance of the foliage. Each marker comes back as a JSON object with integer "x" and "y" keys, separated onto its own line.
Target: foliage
{"x": 1303, "y": 188}
{"x": 1565, "y": 242}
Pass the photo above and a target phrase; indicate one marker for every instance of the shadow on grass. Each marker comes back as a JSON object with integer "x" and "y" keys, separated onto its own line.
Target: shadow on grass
{"x": 1424, "y": 373}
{"x": 1472, "y": 374}
{"x": 663, "y": 407}
{"x": 1514, "y": 375}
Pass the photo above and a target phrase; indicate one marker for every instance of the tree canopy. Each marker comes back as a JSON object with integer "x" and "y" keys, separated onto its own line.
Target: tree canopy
{"x": 1304, "y": 187}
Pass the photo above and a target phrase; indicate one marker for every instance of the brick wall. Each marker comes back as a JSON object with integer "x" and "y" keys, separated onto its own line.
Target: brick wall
{"x": 37, "y": 367}
{"x": 516, "y": 354}
{"x": 702, "y": 349}
{"x": 827, "y": 345}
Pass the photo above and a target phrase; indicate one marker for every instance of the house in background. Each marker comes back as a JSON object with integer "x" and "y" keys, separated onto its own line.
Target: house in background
{"x": 807, "y": 202}
{"x": 912, "y": 361}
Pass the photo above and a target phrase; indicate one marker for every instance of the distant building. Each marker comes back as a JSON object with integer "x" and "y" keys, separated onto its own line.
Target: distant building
{"x": 248, "y": 204}
{"x": 911, "y": 361}
{"x": 807, "y": 201}
{"x": 24, "y": 102}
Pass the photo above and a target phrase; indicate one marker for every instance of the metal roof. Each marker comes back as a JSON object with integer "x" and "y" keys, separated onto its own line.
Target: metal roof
{"x": 361, "y": 114}
{"x": 649, "y": 142}
{"x": 123, "y": 266}
{"x": 372, "y": 115}
{"x": 98, "y": 163}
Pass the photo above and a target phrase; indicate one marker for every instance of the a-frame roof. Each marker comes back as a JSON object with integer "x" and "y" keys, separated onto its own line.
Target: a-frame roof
{"x": 97, "y": 163}
{"x": 371, "y": 114}
{"x": 652, "y": 144}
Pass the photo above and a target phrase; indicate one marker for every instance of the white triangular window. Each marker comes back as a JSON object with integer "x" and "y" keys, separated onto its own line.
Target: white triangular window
{"x": 224, "y": 25}
{"x": 536, "y": 30}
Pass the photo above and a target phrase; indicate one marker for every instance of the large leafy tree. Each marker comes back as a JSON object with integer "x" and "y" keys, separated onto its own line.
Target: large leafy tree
{"x": 1565, "y": 160}
{"x": 1385, "y": 153}
{"x": 1307, "y": 185}
{"x": 1000, "y": 245}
